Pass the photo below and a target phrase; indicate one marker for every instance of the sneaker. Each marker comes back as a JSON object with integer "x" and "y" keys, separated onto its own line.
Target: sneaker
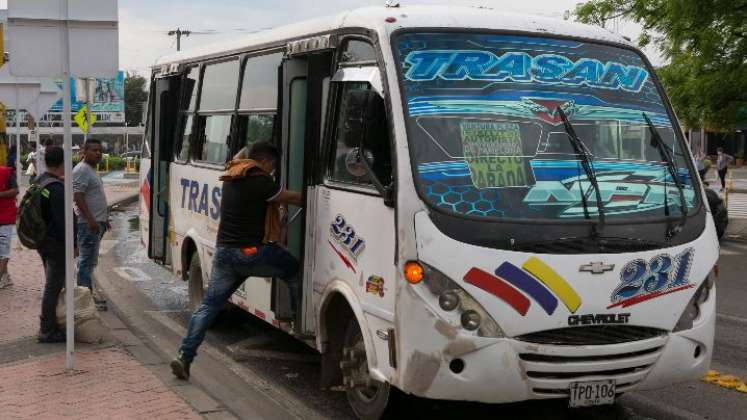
{"x": 54, "y": 336}
{"x": 180, "y": 367}
{"x": 5, "y": 281}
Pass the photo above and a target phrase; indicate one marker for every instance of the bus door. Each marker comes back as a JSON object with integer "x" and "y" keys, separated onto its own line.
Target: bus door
{"x": 355, "y": 239}
{"x": 164, "y": 118}
{"x": 304, "y": 82}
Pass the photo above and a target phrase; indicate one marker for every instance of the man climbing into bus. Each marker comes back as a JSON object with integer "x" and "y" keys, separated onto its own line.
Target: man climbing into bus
{"x": 246, "y": 244}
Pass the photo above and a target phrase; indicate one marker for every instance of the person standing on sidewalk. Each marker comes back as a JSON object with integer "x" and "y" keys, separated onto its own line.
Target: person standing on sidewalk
{"x": 700, "y": 164}
{"x": 31, "y": 164}
{"x": 41, "y": 167}
{"x": 245, "y": 246}
{"x": 52, "y": 248}
{"x": 722, "y": 165}
{"x": 93, "y": 218}
{"x": 8, "y": 193}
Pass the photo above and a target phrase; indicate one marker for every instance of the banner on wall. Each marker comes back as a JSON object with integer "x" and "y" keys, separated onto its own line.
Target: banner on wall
{"x": 108, "y": 97}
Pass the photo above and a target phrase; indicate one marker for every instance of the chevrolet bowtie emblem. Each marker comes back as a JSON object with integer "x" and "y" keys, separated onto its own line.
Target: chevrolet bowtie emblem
{"x": 596, "y": 267}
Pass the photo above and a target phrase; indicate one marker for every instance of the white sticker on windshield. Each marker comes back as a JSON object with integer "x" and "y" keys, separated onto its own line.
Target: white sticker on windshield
{"x": 493, "y": 153}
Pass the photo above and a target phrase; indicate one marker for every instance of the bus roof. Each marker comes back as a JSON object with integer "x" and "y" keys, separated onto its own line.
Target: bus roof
{"x": 373, "y": 18}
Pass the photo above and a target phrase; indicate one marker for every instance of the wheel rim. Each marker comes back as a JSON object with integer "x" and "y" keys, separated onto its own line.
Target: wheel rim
{"x": 367, "y": 393}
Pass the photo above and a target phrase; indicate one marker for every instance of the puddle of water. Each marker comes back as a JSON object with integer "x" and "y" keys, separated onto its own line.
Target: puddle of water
{"x": 133, "y": 223}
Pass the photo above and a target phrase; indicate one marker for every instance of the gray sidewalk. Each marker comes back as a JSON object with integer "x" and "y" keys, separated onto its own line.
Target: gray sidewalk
{"x": 736, "y": 198}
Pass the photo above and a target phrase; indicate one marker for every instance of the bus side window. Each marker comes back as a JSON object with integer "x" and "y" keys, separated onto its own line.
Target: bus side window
{"x": 186, "y": 112}
{"x": 256, "y": 128}
{"x": 357, "y": 52}
{"x": 379, "y": 153}
{"x": 215, "y": 110}
{"x": 214, "y": 135}
{"x": 258, "y": 100}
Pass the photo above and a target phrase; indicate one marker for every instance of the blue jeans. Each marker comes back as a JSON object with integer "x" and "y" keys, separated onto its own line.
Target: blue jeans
{"x": 230, "y": 268}
{"x": 88, "y": 248}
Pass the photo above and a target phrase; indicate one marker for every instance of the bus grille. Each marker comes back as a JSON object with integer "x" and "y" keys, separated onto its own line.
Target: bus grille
{"x": 552, "y": 369}
{"x": 592, "y": 335}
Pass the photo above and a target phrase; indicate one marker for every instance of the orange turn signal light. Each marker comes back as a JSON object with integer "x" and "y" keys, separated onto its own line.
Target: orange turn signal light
{"x": 413, "y": 272}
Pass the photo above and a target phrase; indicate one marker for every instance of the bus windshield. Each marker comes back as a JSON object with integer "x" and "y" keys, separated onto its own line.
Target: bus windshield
{"x": 487, "y": 138}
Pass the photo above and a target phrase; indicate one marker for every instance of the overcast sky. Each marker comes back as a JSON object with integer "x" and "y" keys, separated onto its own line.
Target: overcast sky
{"x": 143, "y": 24}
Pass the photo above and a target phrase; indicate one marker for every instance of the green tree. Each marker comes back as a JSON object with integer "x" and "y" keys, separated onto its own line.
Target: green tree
{"x": 705, "y": 42}
{"x": 135, "y": 96}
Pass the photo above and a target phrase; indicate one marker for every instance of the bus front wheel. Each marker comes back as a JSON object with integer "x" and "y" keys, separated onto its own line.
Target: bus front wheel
{"x": 369, "y": 399}
{"x": 196, "y": 285}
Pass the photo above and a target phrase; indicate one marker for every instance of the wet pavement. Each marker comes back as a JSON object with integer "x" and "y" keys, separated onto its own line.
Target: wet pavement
{"x": 288, "y": 364}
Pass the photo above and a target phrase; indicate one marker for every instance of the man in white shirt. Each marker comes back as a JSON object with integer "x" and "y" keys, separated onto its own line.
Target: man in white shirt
{"x": 41, "y": 167}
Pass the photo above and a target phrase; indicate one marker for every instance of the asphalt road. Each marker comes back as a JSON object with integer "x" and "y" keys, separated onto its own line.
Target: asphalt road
{"x": 277, "y": 367}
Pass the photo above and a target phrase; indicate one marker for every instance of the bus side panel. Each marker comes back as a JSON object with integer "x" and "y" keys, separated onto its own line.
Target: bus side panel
{"x": 145, "y": 204}
{"x": 195, "y": 214}
{"x": 355, "y": 243}
{"x": 195, "y": 211}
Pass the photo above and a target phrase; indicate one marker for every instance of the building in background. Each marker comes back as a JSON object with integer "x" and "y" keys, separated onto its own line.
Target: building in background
{"x": 108, "y": 106}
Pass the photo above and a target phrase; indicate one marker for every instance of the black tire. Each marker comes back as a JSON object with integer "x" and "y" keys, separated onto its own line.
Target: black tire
{"x": 722, "y": 221}
{"x": 196, "y": 286}
{"x": 373, "y": 402}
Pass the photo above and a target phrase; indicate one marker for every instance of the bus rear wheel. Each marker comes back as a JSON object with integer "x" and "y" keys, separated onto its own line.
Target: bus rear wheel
{"x": 196, "y": 285}
{"x": 369, "y": 399}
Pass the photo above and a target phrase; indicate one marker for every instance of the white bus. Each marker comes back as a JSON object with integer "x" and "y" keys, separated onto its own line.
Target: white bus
{"x": 498, "y": 207}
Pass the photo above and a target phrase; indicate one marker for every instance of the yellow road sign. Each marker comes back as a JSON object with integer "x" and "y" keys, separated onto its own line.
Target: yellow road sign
{"x": 80, "y": 119}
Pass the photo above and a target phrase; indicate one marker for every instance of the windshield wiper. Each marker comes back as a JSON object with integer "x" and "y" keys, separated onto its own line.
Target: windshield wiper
{"x": 581, "y": 152}
{"x": 657, "y": 141}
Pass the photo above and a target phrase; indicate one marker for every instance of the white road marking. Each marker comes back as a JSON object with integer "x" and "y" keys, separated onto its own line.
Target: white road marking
{"x": 737, "y": 206}
{"x": 132, "y": 273}
{"x": 732, "y": 318}
{"x": 731, "y": 248}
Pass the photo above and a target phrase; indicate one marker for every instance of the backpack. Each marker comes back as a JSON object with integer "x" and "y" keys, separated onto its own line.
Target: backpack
{"x": 30, "y": 224}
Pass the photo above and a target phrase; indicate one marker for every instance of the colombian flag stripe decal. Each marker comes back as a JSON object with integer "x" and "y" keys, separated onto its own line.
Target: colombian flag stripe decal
{"x": 554, "y": 282}
{"x": 498, "y": 288}
{"x": 529, "y": 285}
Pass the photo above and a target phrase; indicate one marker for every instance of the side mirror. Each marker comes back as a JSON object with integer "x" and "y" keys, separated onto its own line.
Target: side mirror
{"x": 363, "y": 110}
{"x": 353, "y": 162}
{"x": 364, "y": 129}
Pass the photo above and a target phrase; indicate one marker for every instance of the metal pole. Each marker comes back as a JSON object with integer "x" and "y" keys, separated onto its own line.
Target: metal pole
{"x": 88, "y": 112}
{"x": 127, "y": 144}
{"x": 68, "y": 148}
{"x": 18, "y": 139}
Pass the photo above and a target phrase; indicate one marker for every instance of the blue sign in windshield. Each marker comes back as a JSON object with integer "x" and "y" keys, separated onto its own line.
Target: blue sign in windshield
{"x": 488, "y": 140}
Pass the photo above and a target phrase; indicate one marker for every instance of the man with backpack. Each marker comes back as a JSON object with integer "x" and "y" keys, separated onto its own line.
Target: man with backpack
{"x": 41, "y": 226}
{"x": 8, "y": 193}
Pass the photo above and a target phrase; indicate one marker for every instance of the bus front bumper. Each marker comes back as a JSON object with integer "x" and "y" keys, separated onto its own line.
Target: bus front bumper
{"x": 508, "y": 370}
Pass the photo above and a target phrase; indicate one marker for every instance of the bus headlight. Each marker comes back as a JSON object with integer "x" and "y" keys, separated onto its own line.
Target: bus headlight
{"x": 692, "y": 310}
{"x": 448, "y": 300}
{"x": 452, "y": 299}
{"x": 470, "y": 320}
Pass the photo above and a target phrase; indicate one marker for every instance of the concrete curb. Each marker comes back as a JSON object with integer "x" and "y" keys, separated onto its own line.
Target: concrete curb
{"x": 236, "y": 391}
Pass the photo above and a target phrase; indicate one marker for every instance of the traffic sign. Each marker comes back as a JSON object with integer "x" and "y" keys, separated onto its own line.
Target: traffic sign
{"x": 82, "y": 121}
